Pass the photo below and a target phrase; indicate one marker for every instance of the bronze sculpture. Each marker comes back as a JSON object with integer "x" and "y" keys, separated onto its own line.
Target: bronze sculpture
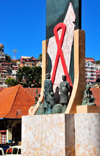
{"x": 88, "y": 98}
{"x": 40, "y": 110}
{"x": 49, "y": 99}
{"x": 64, "y": 91}
{"x": 49, "y": 105}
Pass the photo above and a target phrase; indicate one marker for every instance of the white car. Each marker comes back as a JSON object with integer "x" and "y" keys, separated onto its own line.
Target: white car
{"x": 14, "y": 151}
{"x": 2, "y": 152}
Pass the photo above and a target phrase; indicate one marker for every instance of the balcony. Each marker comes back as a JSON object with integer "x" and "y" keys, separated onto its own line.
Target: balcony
{"x": 90, "y": 73}
{"x": 90, "y": 76}
{"x": 89, "y": 69}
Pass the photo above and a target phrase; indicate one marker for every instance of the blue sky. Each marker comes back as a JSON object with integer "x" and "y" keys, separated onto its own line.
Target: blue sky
{"x": 91, "y": 25}
{"x": 23, "y": 26}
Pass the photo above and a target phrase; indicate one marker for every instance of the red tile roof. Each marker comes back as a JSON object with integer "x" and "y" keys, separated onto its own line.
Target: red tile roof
{"x": 1, "y": 88}
{"x": 15, "y": 102}
{"x": 32, "y": 92}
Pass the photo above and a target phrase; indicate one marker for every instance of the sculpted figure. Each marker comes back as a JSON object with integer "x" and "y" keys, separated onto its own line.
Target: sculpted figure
{"x": 40, "y": 110}
{"x": 64, "y": 90}
{"x": 49, "y": 99}
{"x": 88, "y": 98}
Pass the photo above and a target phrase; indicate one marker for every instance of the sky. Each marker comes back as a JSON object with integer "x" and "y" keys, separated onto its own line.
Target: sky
{"x": 23, "y": 27}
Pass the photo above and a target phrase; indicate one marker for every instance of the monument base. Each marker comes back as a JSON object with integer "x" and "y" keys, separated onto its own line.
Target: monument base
{"x": 88, "y": 109}
{"x": 61, "y": 135}
{"x": 87, "y": 134}
{"x": 48, "y": 135}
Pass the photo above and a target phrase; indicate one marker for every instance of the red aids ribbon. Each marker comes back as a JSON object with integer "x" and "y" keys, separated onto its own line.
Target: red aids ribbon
{"x": 60, "y": 53}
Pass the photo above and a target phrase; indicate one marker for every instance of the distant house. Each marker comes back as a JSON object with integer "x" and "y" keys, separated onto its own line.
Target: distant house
{"x": 89, "y": 59}
{"x": 28, "y": 61}
{"x": 14, "y": 102}
{"x": 90, "y": 71}
{"x": 39, "y": 64}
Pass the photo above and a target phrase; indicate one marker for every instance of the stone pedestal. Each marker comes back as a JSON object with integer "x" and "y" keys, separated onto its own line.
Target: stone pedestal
{"x": 48, "y": 135}
{"x": 87, "y": 134}
{"x": 88, "y": 109}
{"x": 61, "y": 135}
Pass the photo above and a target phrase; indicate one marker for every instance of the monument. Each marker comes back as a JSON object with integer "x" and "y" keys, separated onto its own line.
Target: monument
{"x": 66, "y": 132}
{"x": 49, "y": 100}
{"x": 88, "y": 98}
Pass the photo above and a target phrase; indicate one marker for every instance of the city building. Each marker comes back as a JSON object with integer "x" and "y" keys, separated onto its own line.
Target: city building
{"x": 92, "y": 70}
{"x": 28, "y": 61}
{"x": 2, "y": 55}
{"x": 89, "y": 59}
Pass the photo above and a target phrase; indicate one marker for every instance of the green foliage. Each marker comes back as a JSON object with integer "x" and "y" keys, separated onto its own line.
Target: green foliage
{"x": 11, "y": 82}
{"x": 24, "y": 85}
{"x": 19, "y": 74}
{"x": 37, "y": 72}
{"x": 40, "y": 57}
{"x": 29, "y": 77}
{"x": 98, "y": 61}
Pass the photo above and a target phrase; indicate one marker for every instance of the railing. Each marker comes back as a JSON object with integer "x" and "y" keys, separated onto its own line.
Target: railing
{"x": 90, "y": 76}
{"x": 90, "y": 73}
{"x": 90, "y": 70}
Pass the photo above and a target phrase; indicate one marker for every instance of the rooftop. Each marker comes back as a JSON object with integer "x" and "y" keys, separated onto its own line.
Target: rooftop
{"x": 15, "y": 102}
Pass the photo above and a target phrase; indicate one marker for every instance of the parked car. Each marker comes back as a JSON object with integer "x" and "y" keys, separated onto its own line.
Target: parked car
{"x": 14, "y": 151}
{"x": 1, "y": 152}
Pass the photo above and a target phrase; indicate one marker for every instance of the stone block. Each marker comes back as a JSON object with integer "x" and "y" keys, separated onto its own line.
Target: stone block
{"x": 48, "y": 135}
{"x": 88, "y": 109}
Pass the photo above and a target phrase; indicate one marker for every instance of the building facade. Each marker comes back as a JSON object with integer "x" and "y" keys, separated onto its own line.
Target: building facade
{"x": 2, "y": 55}
{"x": 92, "y": 70}
{"x": 28, "y": 61}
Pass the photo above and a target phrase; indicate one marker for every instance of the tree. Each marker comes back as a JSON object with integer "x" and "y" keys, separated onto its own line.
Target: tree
{"x": 29, "y": 77}
{"x": 40, "y": 57}
{"x": 11, "y": 82}
{"x": 19, "y": 74}
{"x": 98, "y": 61}
{"x": 37, "y": 75}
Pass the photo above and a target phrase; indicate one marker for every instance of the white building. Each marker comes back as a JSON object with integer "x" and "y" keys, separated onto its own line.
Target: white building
{"x": 90, "y": 71}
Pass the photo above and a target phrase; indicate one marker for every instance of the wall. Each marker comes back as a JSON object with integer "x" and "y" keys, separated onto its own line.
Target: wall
{"x": 96, "y": 94}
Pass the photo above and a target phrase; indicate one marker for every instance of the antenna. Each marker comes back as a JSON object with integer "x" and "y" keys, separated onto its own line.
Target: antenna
{"x": 15, "y": 51}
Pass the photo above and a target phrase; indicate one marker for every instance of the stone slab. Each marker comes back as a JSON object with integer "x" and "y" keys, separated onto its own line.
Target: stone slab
{"x": 48, "y": 135}
{"x": 61, "y": 135}
{"x": 87, "y": 134}
{"x": 88, "y": 109}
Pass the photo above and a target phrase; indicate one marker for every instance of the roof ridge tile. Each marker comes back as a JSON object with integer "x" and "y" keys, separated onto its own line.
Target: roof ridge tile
{"x": 28, "y": 93}
{"x": 13, "y": 98}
